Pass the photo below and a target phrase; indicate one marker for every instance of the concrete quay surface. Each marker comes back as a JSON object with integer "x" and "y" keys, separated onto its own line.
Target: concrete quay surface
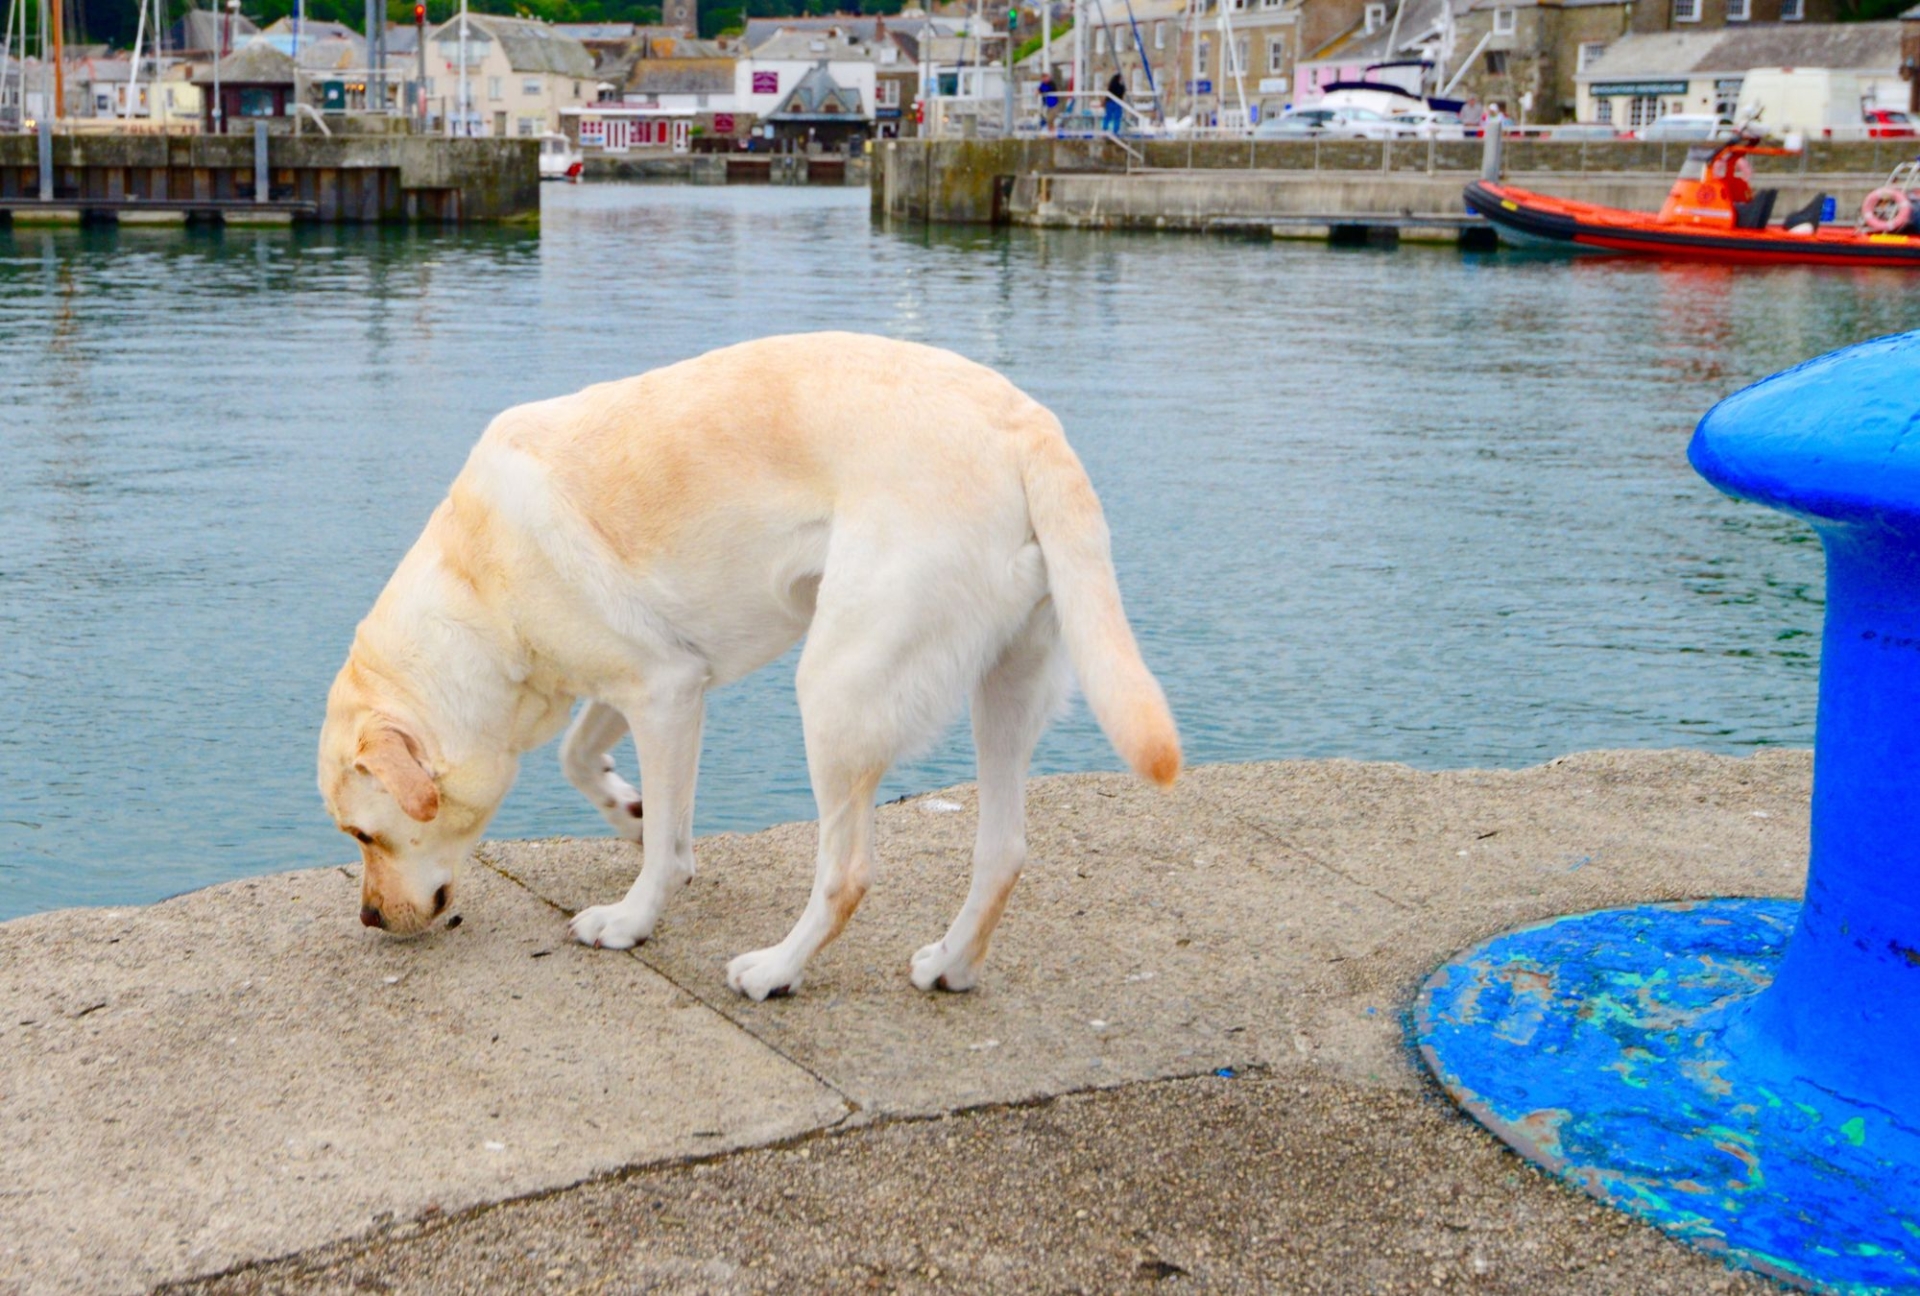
{"x": 242, "y": 1090}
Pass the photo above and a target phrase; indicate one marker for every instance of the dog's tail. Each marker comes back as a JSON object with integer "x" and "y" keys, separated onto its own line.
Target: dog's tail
{"x": 1066, "y": 517}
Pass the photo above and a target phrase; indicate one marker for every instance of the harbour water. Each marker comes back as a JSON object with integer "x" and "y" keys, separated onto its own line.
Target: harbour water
{"x": 1420, "y": 506}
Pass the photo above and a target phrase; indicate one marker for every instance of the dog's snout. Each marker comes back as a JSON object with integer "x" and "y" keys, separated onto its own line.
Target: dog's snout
{"x": 440, "y": 900}
{"x": 371, "y": 916}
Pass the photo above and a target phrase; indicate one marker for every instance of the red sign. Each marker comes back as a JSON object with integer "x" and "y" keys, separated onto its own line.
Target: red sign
{"x": 723, "y": 123}
{"x": 766, "y": 83}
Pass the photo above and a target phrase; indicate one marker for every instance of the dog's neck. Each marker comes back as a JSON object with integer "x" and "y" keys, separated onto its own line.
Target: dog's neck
{"x": 462, "y": 675}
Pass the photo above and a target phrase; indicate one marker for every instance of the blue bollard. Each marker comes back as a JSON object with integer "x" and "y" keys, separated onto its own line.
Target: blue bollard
{"x": 1746, "y": 1073}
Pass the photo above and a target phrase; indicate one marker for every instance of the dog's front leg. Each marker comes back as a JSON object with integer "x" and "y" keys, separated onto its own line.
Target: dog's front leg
{"x": 665, "y": 716}
{"x": 586, "y": 757}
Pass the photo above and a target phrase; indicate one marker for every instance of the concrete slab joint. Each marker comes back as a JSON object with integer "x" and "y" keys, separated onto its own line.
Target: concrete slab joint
{"x": 245, "y": 1072}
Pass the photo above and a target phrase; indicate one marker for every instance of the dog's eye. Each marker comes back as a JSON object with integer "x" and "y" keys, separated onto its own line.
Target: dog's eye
{"x": 358, "y": 836}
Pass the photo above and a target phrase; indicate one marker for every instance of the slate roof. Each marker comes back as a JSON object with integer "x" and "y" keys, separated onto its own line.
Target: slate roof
{"x": 682, "y": 76}
{"x": 809, "y": 100}
{"x": 199, "y": 29}
{"x": 529, "y": 46}
{"x": 867, "y": 30}
{"x": 1864, "y": 46}
{"x": 257, "y": 63}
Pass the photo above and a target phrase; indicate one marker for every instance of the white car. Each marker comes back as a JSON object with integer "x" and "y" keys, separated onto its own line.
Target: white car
{"x": 1427, "y": 123}
{"x": 1325, "y": 123}
{"x": 1687, "y": 126}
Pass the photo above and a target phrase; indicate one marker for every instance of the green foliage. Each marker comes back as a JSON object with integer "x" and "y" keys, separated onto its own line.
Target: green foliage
{"x": 111, "y": 22}
{"x": 1032, "y": 43}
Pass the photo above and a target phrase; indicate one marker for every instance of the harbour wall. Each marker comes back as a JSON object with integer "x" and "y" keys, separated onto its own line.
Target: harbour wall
{"x": 730, "y": 168}
{"x": 340, "y": 178}
{"x": 1226, "y": 184}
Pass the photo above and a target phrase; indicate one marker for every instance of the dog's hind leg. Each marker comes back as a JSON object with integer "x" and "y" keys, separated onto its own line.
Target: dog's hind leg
{"x": 1011, "y": 707}
{"x": 666, "y": 715}
{"x": 895, "y": 641}
{"x": 586, "y": 757}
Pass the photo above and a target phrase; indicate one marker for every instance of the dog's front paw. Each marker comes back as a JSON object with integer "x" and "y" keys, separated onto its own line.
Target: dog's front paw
{"x": 613, "y": 926}
{"x": 935, "y": 967}
{"x": 763, "y": 973}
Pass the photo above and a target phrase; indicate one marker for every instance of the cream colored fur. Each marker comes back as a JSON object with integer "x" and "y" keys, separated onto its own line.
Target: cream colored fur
{"x": 921, "y": 521}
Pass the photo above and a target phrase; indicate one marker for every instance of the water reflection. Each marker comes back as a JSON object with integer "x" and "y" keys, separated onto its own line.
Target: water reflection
{"x": 1420, "y": 506}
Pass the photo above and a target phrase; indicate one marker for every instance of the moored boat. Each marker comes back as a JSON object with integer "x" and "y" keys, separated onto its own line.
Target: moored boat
{"x": 1712, "y": 213}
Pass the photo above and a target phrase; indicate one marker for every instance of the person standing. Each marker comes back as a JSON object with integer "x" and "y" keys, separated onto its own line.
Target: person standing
{"x": 1049, "y": 96}
{"x": 1116, "y": 96}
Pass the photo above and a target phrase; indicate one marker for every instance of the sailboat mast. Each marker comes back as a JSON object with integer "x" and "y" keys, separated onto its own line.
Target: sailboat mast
{"x": 59, "y": 64}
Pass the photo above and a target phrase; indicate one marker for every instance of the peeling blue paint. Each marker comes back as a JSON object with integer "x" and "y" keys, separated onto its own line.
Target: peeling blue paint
{"x": 1597, "y": 1046}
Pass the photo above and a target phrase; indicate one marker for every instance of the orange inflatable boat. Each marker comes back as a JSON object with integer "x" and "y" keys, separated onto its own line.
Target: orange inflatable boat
{"x": 1713, "y": 213}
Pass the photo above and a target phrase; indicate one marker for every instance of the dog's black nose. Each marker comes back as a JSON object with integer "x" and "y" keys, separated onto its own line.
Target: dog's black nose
{"x": 440, "y": 900}
{"x": 371, "y": 916}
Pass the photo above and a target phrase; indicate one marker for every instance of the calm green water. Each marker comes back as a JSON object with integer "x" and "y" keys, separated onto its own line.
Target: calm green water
{"x": 1418, "y": 506}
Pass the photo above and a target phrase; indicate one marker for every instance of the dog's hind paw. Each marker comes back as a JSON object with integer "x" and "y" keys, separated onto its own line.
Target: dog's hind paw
{"x": 613, "y": 926}
{"x": 935, "y": 967}
{"x": 763, "y": 974}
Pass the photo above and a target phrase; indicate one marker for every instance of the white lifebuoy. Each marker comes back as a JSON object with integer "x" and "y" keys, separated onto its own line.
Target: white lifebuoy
{"x": 1886, "y": 210}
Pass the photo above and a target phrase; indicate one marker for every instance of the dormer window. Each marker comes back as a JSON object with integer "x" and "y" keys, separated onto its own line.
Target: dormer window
{"x": 1376, "y": 18}
{"x": 1503, "y": 22}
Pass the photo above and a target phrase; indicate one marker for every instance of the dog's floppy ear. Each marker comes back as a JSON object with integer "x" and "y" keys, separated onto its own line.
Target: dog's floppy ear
{"x": 393, "y": 756}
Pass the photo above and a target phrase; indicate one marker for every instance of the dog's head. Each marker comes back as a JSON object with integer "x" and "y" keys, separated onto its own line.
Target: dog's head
{"x": 380, "y": 778}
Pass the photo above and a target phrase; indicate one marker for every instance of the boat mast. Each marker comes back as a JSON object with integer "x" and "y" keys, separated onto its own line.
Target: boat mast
{"x": 59, "y": 64}
{"x": 133, "y": 70}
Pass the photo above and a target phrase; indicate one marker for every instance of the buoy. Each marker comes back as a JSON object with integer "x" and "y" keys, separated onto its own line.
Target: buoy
{"x": 1886, "y": 210}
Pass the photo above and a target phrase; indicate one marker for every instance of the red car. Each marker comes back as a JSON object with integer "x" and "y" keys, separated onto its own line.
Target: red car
{"x": 1889, "y": 123}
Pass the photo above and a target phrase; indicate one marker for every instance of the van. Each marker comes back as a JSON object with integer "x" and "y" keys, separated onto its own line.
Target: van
{"x": 1808, "y": 101}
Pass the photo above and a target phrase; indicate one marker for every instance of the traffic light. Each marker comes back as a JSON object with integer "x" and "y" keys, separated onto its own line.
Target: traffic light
{"x": 1013, "y": 19}
{"x": 419, "y": 15}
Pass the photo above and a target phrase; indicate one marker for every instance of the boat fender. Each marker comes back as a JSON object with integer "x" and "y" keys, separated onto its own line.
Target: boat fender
{"x": 1886, "y": 210}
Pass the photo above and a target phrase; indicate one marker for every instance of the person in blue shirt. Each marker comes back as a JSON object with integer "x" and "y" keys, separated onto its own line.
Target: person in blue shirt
{"x": 1116, "y": 96}
{"x": 1049, "y": 96}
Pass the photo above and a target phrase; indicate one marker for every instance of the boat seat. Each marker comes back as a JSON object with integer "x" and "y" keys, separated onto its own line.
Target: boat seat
{"x": 1756, "y": 211}
{"x": 1808, "y": 216}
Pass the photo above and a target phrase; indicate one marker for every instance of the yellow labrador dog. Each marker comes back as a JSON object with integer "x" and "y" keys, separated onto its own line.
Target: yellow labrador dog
{"x": 919, "y": 519}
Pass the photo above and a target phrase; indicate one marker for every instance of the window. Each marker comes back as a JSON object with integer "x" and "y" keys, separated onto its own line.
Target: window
{"x": 1496, "y": 62}
{"x": 1792, "y": 10}
{"x": 1590, "y": 52}
{"x": 531, "y": 86}
{"x": 527, "y": 126}
{"x": 1686, "y": 11}
{"x": 1376, "y": 17}
{"x": 493, "y": 87}
{"x": 1642, "y": 110}
{"x": 576, "y": 89}
{"x": 1603, "y": 111}
{"x": 1236, "y": 6}
{"x": 1239, "y": 54}
{"x": 1201, "y": 49}
{"x": 1160, "y": 35}
{"x": 1276, "y": 57}
{"x": 1100, "y": 40}
{"x": 1503, "y": 22}
{"x": 886, "y": 94}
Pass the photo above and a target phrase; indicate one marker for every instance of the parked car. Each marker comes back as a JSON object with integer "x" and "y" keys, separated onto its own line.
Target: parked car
{"x": 1687, "y": 126}
{"x": 1326, "y": 123}
{"x": 1890, "y": 123}
{"x": 1582, "y": 131}
{"x": 1427, "y": 123}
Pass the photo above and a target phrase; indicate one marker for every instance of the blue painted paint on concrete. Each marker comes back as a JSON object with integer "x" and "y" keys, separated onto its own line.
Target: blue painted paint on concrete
{"x": 1746, "y": 1074}
{"x": 1596, "y": 1045}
